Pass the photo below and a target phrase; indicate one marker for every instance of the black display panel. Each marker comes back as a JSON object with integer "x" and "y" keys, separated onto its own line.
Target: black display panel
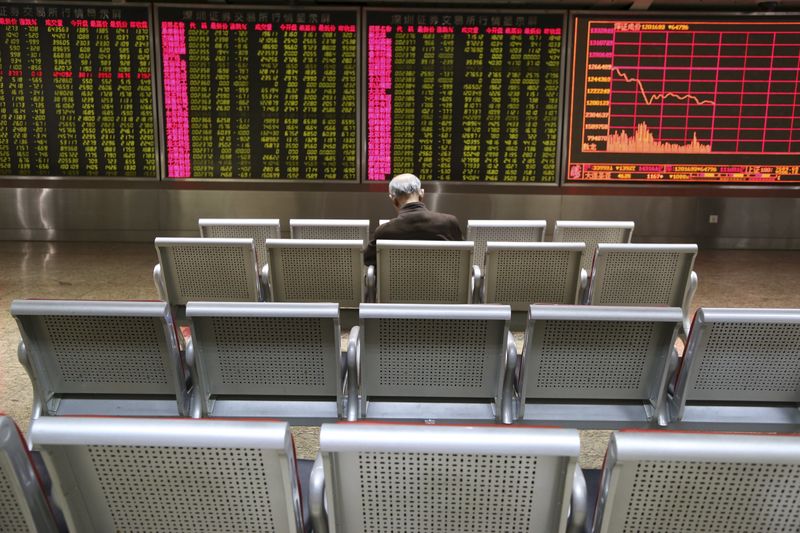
{"x": 463, "y": 95}
{"x": 259, "y": 93}
{"x": 76, "y": 91}
{"x": 677, "y": 99}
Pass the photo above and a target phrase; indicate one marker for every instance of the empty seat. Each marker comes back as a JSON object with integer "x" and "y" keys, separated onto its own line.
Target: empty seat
{"x": 197, "y": 269}
{"x": 141, "y": 474}
{"x": 278, "y": 360}
{"x": 330, "y": 229}
{"x": 402, "y": 477}
{"x": 521, "y": 274}
{"x": 92, "y": 357}
{"x": 597, "y": 367}
{"x": 436, "y": 272}
{"x": 258, "y": 229}
{"x": 644, "y": 274}
{"x": 442, "y": 362}
{"x": 483, "y": 231}
{"x": 740, "y": 371}
{"x": 24, "y": 507}
{"x": 316, "y": 270}
{"x": 592, "y": 232}
{"x": 698, "y": 482}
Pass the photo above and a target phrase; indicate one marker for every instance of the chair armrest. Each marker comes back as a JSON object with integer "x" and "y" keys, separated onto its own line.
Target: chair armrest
{"x": 583, "y": 287}
{"x": 352, "y": 381}
{"x": 196, "y": 400}
{"x": 39, "y": 396}
{"x": 476, "y": 286}
{"x": 316, "y": 497}
{"x": 578, "y": 512}
{"x": 266, "y": 288}
{"x": 691, "y": 288}
{"x": 158, "y": 279}
{"x": 370, "y": 282}
{"x": 507, "y": 412}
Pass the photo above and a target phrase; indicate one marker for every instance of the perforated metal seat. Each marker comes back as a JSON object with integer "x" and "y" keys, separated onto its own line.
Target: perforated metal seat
{"x": 597, "y": 367}
{"x": 422, "y": 478}
{"x": 198, "y": 269}
{"x": 592, "y": 232}
{"x": 433, "y": 272}
{"x": 436, "y": 362}
{"x": 699, "y": 483}
{"x": 482, "y": 231}
{"x": 23, "y": 503}
{"x": 92, "y": 357}
{"x": 644, "y": 274}
{"x": 278, "y": 360}
{"x": 329, "y": 229}
{"x": 315, "y": 270}
{"x": 521, "y": 274}
{"x": 258, "y": 229}
{"x": 140, "y": 474}
{"x": 740, "y": 371}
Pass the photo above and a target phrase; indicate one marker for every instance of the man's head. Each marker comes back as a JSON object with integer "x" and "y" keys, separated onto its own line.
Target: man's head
{"x": 405, "y": 188}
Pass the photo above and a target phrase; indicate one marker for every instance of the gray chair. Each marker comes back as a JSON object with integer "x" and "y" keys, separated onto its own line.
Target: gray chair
{"x": 699, "y": 483}
{"x": 521, "y": 274}
{"x": 276, "y": 360}
{"x": 329, "y": 229}
{"x": 102, "y": 358}
{"x": 258, "y": 229}
{"x": 482, "y": 231}
{"x": 644, "y": 274}
{"x": 597, "y": 367}
{"x": 592, "y": 232}
{"x": 437, "y": 362}
{"x": 142, "y": 474}
{"x": 426, "y": 272}
{"x": 740, "y": 372}
{"x": 371, "y": 478}
{"x": 214, "y": 270}
{"x": 24, "y": 507}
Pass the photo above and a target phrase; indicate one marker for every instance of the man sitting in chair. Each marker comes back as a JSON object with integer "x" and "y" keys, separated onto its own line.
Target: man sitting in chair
{"x": 414, "y": 221}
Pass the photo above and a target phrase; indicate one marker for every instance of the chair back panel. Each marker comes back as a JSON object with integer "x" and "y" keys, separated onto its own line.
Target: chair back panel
{"x": 208, "y": 270}
{"x": 436, "y": 272}
{"x": 483, "y": 231}
{"x": 231, "y": 228}
{"x": 521, "y": 275}
{"x": 316, "y": 271}
{"x": 329, "y": 229}
{"x": 592, "y": 233}
{"x": 14, "y": 516}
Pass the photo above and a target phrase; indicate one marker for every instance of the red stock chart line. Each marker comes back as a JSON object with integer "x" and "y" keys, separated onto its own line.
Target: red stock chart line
{"x": 692, "y": 88}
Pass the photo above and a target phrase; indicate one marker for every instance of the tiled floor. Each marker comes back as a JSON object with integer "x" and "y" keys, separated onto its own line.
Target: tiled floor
{"x": 124, "y": 271}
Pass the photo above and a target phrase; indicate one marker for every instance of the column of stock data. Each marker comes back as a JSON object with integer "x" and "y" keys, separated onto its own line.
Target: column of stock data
{"x": 259, "y": 94}
{"x": 463, "y": 96}
{"x": 685, "y": 101}
{"x": 76, "y": 91}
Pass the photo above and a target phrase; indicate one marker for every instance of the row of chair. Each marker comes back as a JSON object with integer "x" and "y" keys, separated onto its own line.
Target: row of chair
{"x": 580, "y": 366}
{"x": 478, "y": 231}
{"x": 141, "y": 474}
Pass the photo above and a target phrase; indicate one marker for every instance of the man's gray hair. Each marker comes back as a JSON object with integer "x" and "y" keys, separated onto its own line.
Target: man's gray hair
{"x": 404, "y": 184}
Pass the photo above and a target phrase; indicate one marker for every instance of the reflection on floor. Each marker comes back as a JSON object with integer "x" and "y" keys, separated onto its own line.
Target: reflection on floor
{"x": 124, "y": 271}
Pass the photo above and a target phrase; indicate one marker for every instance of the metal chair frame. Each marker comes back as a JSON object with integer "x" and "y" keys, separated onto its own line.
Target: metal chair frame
{"x": 246, "y": 227}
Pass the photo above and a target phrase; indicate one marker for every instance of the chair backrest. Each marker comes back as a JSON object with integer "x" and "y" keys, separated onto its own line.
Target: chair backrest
{"x": 592, "y": 232}
{"x": 140, "y": 474}
{"x": 741, "y": 355}
{"x": 220, "y": 270}
{"x": 330, "y": 229}
{"x": 436, "y": 272}
{"x": 258, "y": 229}
{"x": 642, "y": 274}
{"x": 598, "y": 353}
{"x": 23, "y": 504}
{"x": 390, "y": 477}
{"x": 261, "y": 350}
{"x": 316, "y": 270}
{"x": 699, "y": 482}
{"x": 432, "y": 351}
{"x": 483, "y": 231}
{"x": 76, "y": 350}
{"x": 521, "y": 274}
